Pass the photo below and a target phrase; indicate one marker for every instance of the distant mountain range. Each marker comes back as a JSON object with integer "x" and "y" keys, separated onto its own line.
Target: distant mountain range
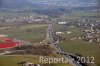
{"x": 15, "y": 4}
{"x": 44, "y": 6}
{"x": 37, "y": 3}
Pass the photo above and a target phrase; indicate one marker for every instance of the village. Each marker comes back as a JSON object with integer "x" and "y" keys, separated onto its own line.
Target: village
{"x": 89, "y": 28}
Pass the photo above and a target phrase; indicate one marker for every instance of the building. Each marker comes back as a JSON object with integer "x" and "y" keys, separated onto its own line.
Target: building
{"x": 63, "y": 23}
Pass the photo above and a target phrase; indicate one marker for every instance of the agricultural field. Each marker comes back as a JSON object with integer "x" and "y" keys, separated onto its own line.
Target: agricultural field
{"x": 78, "y": 46}
{"x": 30, "y": 32}
{"x": 79, "y": 14}
{"x": 13, "y": 60}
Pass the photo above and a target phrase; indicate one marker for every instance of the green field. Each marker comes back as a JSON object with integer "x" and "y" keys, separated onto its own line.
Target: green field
{"x": 78, "y": 46}
{"x": 30, "y": 32}
{"x": 13, "y": 60}
{"x": 79, "y": 14}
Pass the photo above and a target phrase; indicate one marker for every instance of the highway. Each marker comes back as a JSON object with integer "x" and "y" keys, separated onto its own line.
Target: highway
{"x": 73, "y": 58}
